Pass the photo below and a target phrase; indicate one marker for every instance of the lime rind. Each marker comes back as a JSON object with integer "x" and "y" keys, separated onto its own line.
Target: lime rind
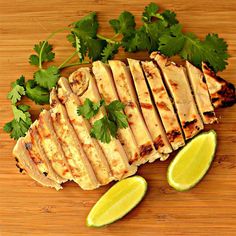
{"x": 182, "y": 187}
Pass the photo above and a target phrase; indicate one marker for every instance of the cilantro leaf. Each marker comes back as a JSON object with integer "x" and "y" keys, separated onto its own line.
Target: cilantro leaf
{"x": 109, "y": 51}
{"x": 20, "y": 81}
{"x": 125, "y": 24}
{"x": 115, "y": 114}
{"x": 170, "y": 17}
{"x": 89, "y": 108}
{"x": 36, "y": 93}
{"x": 212, "y": 50}
{"x": 47, "y": 78}
{"x": 84, "y": 37}
{"x": 95, "y": 48}
{"x": 103, "y": 129}
{"x": 21, "y": 122}
{"x": 18, "y": 113}
{"x": 8, "y": 127}
{"x": 18, "y": 90}
{"x": 172, "y": 41}
{"x": 15, "y": 94}
{"x": 46, "y": 54}
{"x": 150, "y": 11}
{"x": 137, "y": 42}
{"x": 23, "y": 107}
{"x": 20, "y": 128}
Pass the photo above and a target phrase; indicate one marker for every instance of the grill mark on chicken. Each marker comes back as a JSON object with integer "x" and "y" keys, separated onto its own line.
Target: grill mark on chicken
{"x": 173, "y": 135}
{"x": 145, "y": 149}
{"x": 209, "y": 114}
{"x": 173, "y": 84}
{"x": 158, "y": 142}
{"x": 162, "y": 105}
{"x": 146, "y": 106}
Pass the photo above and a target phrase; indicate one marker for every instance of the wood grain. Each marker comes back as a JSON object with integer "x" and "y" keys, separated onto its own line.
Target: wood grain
{"x": 28, "y": 209}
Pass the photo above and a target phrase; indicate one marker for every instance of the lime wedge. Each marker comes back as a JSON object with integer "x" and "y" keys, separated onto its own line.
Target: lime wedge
{"x": 192, "y": 162}
{"x": 117, "y": 201}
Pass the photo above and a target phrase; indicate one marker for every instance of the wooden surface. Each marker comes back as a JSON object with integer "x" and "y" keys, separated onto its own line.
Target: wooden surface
{"x": 28, "y": 209}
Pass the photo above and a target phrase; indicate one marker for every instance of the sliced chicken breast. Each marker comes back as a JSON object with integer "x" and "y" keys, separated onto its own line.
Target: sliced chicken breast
{"x": 163, "y": 105}
{"x": 148, "y": 109}
{"x": 222, "y": 92}
{"x": 84, "y": 86}
{"x": 82, "y": 128}
{"x": 52, "y": 147}
{"x": 127, "y": 95}
{"x": 106, "y": 87}
{"x": 36, "y": 153}
{"x": 26, "y": 163}
{"x": 177, "y": 82}
{"x": 203, "y": 100}
{"x": 80, "y": 167}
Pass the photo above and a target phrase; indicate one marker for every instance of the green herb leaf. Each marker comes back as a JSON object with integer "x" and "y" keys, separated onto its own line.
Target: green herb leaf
{"x": 125, "y": 24}
{"x": 89, "y": 108}
{"x": 139, "y": 41}
{"x": 109, "y": 51}
{"x": 8, "y": 127}
{"x": 84, "y": 37}
{"x": 18, "y": 90}
{"x": 103, "y": 129}
{"x": 21, "y": 122}
{"x": 212, "y": 50}
{"x": 46, "y": 55}
{"x": 20, "y": 128}
{"x": 150, "y": 11}
{"x": 172, "y": 41}
{"x": 15, "y": 94}
{"x": 116, "y": 115}
{"x": 47, "y": 78}
{"x": 36, "y": 93}
{"x": 170, "y": 17}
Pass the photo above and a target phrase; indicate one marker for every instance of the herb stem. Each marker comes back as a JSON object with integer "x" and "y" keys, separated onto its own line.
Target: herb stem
{"x": 74, "y": 64}
{"x": 109, "y": 40}
{"x": 67, "y": 60}
{"x": 44, "y": 42}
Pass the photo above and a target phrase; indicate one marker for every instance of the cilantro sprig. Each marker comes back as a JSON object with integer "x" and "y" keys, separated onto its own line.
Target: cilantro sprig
{"x": 106, "y": 127}
{"x": 160, "y": 31}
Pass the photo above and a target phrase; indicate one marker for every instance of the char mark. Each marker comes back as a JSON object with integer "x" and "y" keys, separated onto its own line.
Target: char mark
{"x": 145, "y": 149}
{"x": 172, "y": 135}
{"x": 158, "y": 142}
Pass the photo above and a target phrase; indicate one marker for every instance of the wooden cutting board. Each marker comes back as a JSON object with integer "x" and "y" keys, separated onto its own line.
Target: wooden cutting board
{"x": 29, "y": 209}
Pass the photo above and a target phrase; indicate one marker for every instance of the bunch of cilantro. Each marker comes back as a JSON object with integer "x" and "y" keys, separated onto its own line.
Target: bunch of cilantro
{"x": 160, "y": 31}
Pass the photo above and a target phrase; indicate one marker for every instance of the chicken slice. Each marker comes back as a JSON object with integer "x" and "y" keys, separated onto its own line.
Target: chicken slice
{"x": 106, "y": 87}
{"x": 127, "y": 95}
{"x": 26, "y": 163}
{"x": 163, "y": 105}
{"x": 114, "y": 151}
{"x": 82, "y": 128}
{"x": 222, "y": 92}
{"x": 201, "y": 94}
{"x": 80, "y": 167}
{"x": 177, "y": 82}
{"x": 51, "y": 146}
{"x": 36, "y": 153}
{"x": 148, "y": 109}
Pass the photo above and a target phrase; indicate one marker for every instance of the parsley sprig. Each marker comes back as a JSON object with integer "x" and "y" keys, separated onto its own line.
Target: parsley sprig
{"x": 106, "y": 127}
{"x": 160, "y": 31}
